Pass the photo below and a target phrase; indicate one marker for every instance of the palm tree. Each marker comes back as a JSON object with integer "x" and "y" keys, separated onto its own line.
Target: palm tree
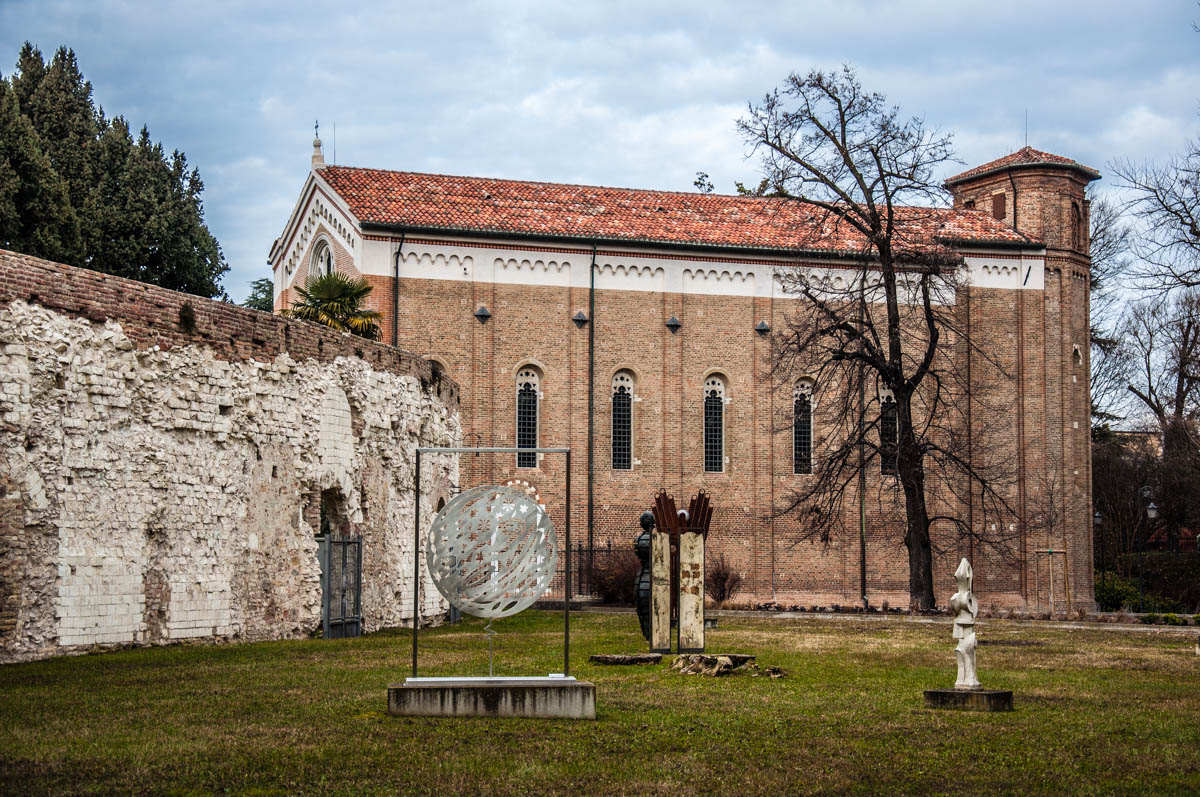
{"x": 336, "y": 300}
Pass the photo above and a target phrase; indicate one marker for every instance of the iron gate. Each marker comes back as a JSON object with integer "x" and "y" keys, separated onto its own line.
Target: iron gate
{"x": 341, "y": 586}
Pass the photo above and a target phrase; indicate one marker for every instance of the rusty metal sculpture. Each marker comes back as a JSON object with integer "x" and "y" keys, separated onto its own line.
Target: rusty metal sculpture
{"x": 677, "y": 572}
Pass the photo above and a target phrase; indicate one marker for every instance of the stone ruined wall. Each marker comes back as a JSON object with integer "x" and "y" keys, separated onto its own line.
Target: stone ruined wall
{"x": 164, "y": 459}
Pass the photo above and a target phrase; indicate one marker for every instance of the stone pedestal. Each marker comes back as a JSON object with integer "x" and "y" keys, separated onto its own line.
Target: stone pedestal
{"x": 553, "y": 697}
{"x": 691, "y": 593}
{"x": 970, "y": 699}
{"x": 660, "y": 590}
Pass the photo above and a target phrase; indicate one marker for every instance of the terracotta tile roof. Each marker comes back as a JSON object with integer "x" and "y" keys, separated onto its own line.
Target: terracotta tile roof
{"x": 507, "y": 207}
{"x": 1026, "y": 156}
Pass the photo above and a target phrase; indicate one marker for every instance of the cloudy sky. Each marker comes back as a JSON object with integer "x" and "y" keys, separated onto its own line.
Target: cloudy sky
{"x": 632, "y": 94}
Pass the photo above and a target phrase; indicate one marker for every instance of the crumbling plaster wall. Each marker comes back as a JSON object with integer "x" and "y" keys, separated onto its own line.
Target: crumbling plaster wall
{"x": 154, "y": 494}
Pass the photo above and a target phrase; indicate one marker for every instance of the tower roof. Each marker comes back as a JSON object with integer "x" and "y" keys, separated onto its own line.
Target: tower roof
{"x": 480, "y": 205}
{"x": 1024, "y": 158}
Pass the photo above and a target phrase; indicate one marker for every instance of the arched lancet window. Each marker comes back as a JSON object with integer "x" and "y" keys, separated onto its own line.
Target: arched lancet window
{"x": 527, "y": 416}
{"x": 714, "y": 424}
{"x": 802, "y": 427}
{"x": 322, "y": 261}
{"x": 887, "y": 432}
{"x": 622, "y": 421}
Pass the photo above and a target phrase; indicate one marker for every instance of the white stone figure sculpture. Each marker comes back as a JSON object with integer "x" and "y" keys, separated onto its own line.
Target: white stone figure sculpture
{"x": 965, "y": 606}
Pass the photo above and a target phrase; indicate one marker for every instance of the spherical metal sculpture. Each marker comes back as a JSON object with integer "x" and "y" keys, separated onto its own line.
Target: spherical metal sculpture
{"x": 492, "y": 551}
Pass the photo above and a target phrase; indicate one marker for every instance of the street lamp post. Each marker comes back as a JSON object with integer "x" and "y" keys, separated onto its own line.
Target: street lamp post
{"x": 1151, "y": 510}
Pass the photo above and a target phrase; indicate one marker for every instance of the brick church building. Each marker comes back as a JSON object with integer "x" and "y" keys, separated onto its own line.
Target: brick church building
{"x": 635, "y": 327}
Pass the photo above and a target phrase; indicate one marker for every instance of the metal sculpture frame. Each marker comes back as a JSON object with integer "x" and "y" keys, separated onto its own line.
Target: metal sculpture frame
{"x": 417, "y": 540}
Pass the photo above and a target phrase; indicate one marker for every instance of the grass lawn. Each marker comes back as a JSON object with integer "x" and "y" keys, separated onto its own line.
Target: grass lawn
{"x": 1096, "y": 712}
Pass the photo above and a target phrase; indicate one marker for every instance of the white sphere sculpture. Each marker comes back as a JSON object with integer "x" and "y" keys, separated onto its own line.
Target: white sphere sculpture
{"x": 492, "y": 551}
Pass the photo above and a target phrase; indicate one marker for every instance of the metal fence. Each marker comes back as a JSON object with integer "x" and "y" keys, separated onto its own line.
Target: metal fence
{"x": 341, "y": 586}
{"x": 584, "y": 561}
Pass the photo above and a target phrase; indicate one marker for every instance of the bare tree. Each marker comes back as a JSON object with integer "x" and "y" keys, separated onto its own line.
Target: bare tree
{"x": 1163, "y": 340}
{"x": 1111, "y": 247}
{"x": 1166, "y": 202}
{"x": 878, "y": 340}
{"x": 1163, "y": 337}
{"x": 1122, "y": 476}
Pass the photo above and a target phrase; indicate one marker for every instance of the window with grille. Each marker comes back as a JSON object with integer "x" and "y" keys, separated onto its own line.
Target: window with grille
{"x": 802, "y": 428}
{"x": 887, "y": 435}
{"x": 527, "y": 417}
{"x": 714, "y": 425}
{"x": 622, "y": 421}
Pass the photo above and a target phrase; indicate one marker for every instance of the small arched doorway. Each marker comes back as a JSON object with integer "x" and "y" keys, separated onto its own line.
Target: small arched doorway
{"x": 340, "y": 555}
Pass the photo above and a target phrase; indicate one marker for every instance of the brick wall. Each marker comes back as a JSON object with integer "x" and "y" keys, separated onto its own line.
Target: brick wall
{"x": 1028, "y": 411}
{"x": 1054, "y": 421}
{"x": 532, "y": 325}
{"x": 1026, "y": 408}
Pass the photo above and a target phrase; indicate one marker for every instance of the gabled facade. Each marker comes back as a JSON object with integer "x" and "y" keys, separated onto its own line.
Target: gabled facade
{"x": 635, "y": 327}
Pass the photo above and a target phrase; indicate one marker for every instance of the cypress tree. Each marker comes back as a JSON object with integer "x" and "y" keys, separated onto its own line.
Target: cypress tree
{"x": 36, "y": 216}
{"x": 136, "y": 212}
{"x": 30, "y": 71}
{"x": 62, "y": 113}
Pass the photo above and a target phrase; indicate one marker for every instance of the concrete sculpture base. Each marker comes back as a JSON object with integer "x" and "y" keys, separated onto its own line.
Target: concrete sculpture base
{"x": 552, "y": 697}
{"x": 970, "y": 699}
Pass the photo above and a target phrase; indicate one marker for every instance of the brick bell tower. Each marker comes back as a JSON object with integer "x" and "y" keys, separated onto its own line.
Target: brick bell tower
{"x": 1042, "y": 196}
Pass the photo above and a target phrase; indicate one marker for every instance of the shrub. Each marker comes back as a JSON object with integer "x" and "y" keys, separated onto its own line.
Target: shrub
{"x": 1170, "y": 618}
{"x": 721, "y": 581}
{"x": 1155, "y": 603}
{"x": 1175, "y": 576}
{"x": 1149, "y": 619}
{"x": 1114, "y": 592}
{"x": 187, "y": 317}
{"x": 614, "y": 577}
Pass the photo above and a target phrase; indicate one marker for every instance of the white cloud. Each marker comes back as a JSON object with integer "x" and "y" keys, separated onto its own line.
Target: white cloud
{"x": 619, "y": 93}
{"x": 1141, "y": 132}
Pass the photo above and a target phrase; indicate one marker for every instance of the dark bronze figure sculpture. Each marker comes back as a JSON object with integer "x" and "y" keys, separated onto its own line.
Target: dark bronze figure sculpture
{"x": 641, "y": 547}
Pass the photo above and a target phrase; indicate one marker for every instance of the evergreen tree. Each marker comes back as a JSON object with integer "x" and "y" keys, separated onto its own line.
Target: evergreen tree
{"x": 145, "y": 216}
{"x": 262, "y": 295}
{"x": 61, "y": 110}
{"x": 30, "y": 71}
{"x": 137, "y": 212}
{"x": 113, "y": 235}
{"x": 36, "y": 216}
